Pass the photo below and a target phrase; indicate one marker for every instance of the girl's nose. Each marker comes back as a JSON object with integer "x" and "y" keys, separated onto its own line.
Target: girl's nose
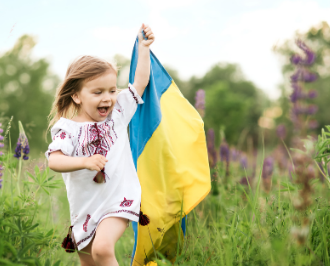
{"x": 107, "y": 97}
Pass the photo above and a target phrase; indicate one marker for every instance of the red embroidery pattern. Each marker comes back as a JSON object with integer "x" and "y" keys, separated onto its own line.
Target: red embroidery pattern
{"x": 62, "y": 135}
{"x": 120, "y": 109}
{"x": 134, "y": 97}
{"x": 93, "y": 231}
{"x": 84, "y": 239}
{"x": 96, "y": 139}
{"x": 126, "y": 203}
{"x": 86, "y": 222}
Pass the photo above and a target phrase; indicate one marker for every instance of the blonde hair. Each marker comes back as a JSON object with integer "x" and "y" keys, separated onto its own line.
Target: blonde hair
{"x": 84, "y": 68}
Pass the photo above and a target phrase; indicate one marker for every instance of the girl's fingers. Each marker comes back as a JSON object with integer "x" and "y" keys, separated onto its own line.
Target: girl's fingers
{"x": 146, "y": 30}
{"x": 151, "y": 36}
{"x": 148, "y": 34}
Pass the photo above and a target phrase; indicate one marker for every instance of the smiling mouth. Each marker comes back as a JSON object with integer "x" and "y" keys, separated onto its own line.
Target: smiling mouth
{"x": 103, "y": 110}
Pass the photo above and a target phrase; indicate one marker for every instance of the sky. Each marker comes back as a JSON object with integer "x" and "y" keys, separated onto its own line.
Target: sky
{"x": 191, "y": 35}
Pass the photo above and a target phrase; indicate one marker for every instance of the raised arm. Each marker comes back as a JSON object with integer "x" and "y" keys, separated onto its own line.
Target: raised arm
{"x": 142, "y": 72}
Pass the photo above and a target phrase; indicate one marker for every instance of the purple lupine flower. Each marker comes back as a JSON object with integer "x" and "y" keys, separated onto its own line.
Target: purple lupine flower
{"x": 281, "y": 131}
{"x": 22, "y": 144}
{"x": 297, "y": 110}
{"x": 297, "y": 92}
{"x": 312, "y": 94}
{"x": 243, "y": 161}
{"x": 308, "y": 76}
{"x": 311, "y": 109}
{"x": 296, "y": 59}
{"x": 304, "y": 75}
{"x": 0, "y": 183}
{"x": 224, "y": 151}
{"x": 310, "y": 55}
{"x": 234, "y": 154}
{"x": 268, "y": 168}
{"x": 18, "y": 149}
{"x": 200, "y": 102}
{"x": 211, "y": 148}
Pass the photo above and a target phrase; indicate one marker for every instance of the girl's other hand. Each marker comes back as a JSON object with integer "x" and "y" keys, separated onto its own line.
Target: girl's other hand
{"x": 95, "y": 162}
{"x": 147, "y": 33}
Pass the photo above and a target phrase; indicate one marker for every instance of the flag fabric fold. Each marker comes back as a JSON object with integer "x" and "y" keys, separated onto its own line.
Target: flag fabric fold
{"x": 168, "y": 145}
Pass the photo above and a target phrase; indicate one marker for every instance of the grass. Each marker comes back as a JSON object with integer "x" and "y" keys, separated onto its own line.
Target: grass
{"x": 242, "y": 225}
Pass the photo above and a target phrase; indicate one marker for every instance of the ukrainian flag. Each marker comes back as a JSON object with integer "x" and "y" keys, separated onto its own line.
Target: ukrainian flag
{"x": 169, "y": 151}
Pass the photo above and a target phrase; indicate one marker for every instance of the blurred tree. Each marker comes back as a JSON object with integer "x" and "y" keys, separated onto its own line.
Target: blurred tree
{"x": 318, "y": 39}
{"x": 231, "y": 101}
{"x": 27, "y": 89}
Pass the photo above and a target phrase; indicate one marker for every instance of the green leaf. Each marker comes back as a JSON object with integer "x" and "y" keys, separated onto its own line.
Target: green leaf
{"x": 30, "y": 175}
{"x": 45, "y": 190}
{"x": 47, "y": 263}
{"x": 32, "y": 227}
{"x": 57, "y": 263}
{"x": 25, "y": 249}
{"x": 11, "y": 248}
{"x": 49, "y": 233}
{"x": 13, "y": 226}
{"x": 299, "y": 151}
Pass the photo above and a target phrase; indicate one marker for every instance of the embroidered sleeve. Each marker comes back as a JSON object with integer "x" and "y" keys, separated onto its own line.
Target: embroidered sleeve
{"x": 127, "y": 102}
{"x": 61, "y": 141}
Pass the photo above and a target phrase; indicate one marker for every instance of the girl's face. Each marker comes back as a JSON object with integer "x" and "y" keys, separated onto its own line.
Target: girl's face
{"x": 97, "y": 98}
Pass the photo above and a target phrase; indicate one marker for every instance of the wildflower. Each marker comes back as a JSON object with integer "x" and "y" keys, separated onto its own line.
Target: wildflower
{"x": 309, "y": 55}
{"x": 296, "y": 59}
{"x": 200, "y": 102}
{"x": 304, "y": 75}
{"x": 22, "y": 144}
{"x": 234, "y": 154}
{"x": 267, "y": 171}
{"x": 224, "y": 151}
{"x": 210, "y": 148}
{"x": 312, "y": 94}
{"x": 281, "y": 131}
{"x": 312, "y": 109}
{"x": 243, "y": 161}
{"x": 268, "y": 167}
{"x": 297, "y": 92}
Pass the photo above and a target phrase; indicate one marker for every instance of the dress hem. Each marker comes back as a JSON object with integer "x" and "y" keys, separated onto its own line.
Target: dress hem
{"x": 85, "y": 241}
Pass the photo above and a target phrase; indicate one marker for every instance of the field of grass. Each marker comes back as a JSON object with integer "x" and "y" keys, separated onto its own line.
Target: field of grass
{"x": 265, "y": 221}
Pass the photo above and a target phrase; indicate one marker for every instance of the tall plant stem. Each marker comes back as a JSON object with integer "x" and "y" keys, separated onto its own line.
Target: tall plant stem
{"x": 19, "y": 175}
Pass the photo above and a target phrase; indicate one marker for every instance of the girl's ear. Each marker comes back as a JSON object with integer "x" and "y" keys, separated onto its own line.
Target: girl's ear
{"x": 75, "y": 98}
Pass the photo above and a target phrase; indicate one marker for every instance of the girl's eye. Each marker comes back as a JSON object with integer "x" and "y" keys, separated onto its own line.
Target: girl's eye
{"x": 97, "y": 92}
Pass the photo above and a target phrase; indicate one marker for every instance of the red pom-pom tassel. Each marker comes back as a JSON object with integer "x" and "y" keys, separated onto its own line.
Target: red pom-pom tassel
{"x": 99, "y": 177}
{"x": 144, "y": 219}
{"x": 67, "y": 243}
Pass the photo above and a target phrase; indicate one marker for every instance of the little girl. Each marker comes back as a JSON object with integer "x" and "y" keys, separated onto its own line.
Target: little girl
{"x": 92, "y": 151}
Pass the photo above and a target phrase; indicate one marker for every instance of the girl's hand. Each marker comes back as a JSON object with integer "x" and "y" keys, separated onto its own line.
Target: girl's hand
{"x": 147, "y": 33}
{"x": 95, "y": 162}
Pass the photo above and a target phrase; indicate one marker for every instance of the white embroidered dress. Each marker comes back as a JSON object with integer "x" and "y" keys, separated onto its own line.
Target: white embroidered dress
{"x": 120, "y": 195}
